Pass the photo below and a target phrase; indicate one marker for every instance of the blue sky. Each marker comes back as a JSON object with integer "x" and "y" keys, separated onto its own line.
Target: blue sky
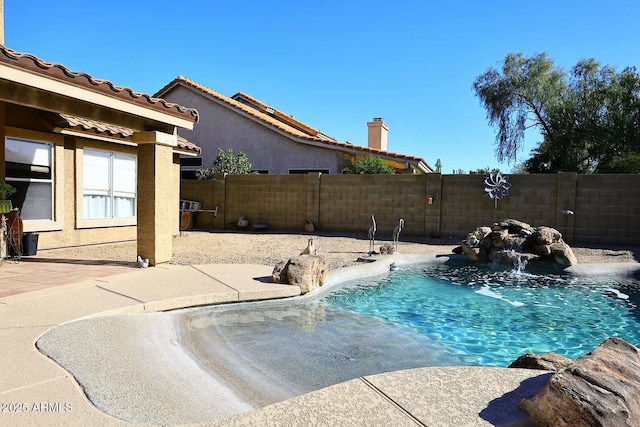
{"x": 334, "y": 65}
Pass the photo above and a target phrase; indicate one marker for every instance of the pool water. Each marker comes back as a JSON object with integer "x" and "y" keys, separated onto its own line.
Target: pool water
{"x": 490, "y": 315}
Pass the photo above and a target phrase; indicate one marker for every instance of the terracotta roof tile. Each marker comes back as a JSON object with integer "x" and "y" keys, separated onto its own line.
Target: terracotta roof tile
{"x": 242, "y": 107}
{"x": 60, "y": 72}
{"x": 93, "y": 126}
{"x": 279, "y": 115}
{"x": 302, "y": 131}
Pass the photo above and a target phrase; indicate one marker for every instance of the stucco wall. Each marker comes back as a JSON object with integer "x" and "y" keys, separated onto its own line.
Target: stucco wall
{"x": 221, "y": 127}
{"x": 606, "y": 207}
{"x": 70, "y": 235}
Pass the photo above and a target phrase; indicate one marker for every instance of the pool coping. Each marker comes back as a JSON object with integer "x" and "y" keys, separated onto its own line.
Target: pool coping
{"x": 33, "y": 378}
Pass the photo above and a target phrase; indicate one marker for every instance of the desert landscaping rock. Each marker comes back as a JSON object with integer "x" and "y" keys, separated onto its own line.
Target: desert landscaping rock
{"x": 307, "y": 272}
{"x": 513, "y": 242}
{"x": 547, "y": 361}
{"x": 338, "y": 249}
{"x": 599, "y": 389}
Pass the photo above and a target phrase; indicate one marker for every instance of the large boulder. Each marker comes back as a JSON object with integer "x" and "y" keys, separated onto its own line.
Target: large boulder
{"x": 599, "y": 389}
{"x": 513, "y": 226}
{"x": 471, "y": 252}
{"x": 279, "y": 273}
{"x": 547, "y": 235}
{"x": 546, "y": 361}
{"x": 541, "y": 250}
{"x": 562, "y": 254}
{"x": 478, "y": 234}
{"x": 511, "y": 258}
{"x": 307, "y": 272}
{"x": 496, "y": 244}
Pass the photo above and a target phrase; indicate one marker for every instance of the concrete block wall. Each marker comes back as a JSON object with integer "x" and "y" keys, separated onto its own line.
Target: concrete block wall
{"x": 347, "y": 202}
{"x": 205, "y": 193}
{"x": 433, "y": 205}
{"x": 606, "y": 207}
{"x": 466, "y": 205}
{"x": 278, "y": 200}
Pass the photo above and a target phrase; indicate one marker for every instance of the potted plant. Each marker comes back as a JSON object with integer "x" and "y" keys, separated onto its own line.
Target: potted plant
{"x": 6, "y": 190}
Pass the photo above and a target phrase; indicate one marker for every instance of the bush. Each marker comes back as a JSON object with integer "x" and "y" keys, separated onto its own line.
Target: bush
{"x": 226, "y": 162}
{"x": 627, "y": 164}
{"x": 369, "y": 166}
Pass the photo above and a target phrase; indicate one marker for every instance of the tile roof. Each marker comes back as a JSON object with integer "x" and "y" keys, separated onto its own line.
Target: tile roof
{"x": 92, "y": 126}
{"x": 281, "y": 121}
{"x": 279, "y": 115}
{"x": 60, "y": 72}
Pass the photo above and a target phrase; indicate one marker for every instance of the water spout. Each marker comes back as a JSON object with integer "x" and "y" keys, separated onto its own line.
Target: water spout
{"x": 519, "y": 262}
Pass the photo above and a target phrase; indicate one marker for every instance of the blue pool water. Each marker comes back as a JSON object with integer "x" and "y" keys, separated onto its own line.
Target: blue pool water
{"x": 491, "y": 315}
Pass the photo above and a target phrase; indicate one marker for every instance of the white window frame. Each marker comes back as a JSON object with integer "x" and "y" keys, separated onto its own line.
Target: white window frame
{"x": 49, "y": 163}
{"x": 109, "y": 190}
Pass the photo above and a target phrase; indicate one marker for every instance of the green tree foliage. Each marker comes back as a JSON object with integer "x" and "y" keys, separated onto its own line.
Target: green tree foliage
{"x": 626, "y": 164}
{"x": 226, "y": 162}
{"x": 369, "y": 165}
{"x": 589, "y": 117}
{"x": 484, "y": 171}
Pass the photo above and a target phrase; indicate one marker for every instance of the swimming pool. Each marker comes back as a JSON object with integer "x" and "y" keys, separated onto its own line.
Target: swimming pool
{"x": 490, "y": 315}
{"x": 422, "y": 315}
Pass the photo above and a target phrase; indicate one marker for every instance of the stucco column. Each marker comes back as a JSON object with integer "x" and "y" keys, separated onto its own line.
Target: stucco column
{"x": 156, "y": 187}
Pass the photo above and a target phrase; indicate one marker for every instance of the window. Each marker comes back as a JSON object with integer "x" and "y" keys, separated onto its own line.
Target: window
{"x": 191, "y": 161}
{"x": 109, "y": 184}
{"x": 298, "y": 171}
{"x": 29, "y": 169}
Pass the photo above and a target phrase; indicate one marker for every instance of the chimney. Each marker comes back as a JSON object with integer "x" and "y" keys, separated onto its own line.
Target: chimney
{"x": 378, "y": 131}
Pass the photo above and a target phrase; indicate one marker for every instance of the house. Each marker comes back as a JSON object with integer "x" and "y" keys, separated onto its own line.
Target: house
{"x": 93, "y": 162}
{"x": 275, "y": 142}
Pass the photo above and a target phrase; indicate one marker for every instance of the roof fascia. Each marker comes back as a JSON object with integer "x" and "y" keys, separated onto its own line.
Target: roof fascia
{"x": 113, "y": 140}
{"x": 26, "y": 88}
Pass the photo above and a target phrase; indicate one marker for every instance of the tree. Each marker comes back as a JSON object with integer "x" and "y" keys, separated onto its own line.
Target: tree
{"x": 518, "y": 98}
{"x": 626, "y": 164}
{"x": 588, "y": 117}
{"x": 484, "y": 171}
{"x": 226, "y": 162}
{"x": 369, "y": 166}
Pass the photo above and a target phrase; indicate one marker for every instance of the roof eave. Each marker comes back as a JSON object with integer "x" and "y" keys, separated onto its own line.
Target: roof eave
{"x": 39, "y": 91}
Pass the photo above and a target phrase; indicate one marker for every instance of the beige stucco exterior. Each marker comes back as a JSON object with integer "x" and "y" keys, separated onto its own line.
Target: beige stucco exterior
{"x": 68, "y": 227}
{"x": 33, "y": 94}
{"x": 275, "y": 143}
{"x": 266, "y": 148}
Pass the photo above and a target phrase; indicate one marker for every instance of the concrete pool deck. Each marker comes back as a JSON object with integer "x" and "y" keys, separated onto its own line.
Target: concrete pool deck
{"x": 36, "y": 391}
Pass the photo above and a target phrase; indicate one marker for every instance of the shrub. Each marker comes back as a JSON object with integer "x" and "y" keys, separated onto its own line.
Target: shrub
{"x": 369, "y": 166}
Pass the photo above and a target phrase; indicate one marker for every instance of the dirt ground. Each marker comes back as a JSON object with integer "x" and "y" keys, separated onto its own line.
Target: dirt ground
{"x": 338, "y": 250}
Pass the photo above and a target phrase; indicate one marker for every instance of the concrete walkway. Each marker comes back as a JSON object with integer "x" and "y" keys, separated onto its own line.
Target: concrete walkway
{"x": 35, "y": 391}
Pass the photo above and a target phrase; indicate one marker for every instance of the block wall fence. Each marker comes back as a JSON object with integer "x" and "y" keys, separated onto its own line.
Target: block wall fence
{"x": 606, "y": 207}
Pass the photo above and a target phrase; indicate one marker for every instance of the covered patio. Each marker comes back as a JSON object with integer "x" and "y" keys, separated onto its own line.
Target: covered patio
{"x": 62, "y": 135}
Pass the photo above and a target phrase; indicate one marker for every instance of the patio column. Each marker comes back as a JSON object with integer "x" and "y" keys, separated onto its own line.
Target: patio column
{"x": 156, "y": 185}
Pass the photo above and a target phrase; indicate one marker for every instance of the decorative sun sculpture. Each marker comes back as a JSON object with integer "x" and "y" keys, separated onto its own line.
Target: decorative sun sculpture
{"x": 496, "y": 186}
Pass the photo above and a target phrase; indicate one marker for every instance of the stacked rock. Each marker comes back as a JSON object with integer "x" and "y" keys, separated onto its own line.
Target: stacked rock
{"x": 511, "y": 242}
